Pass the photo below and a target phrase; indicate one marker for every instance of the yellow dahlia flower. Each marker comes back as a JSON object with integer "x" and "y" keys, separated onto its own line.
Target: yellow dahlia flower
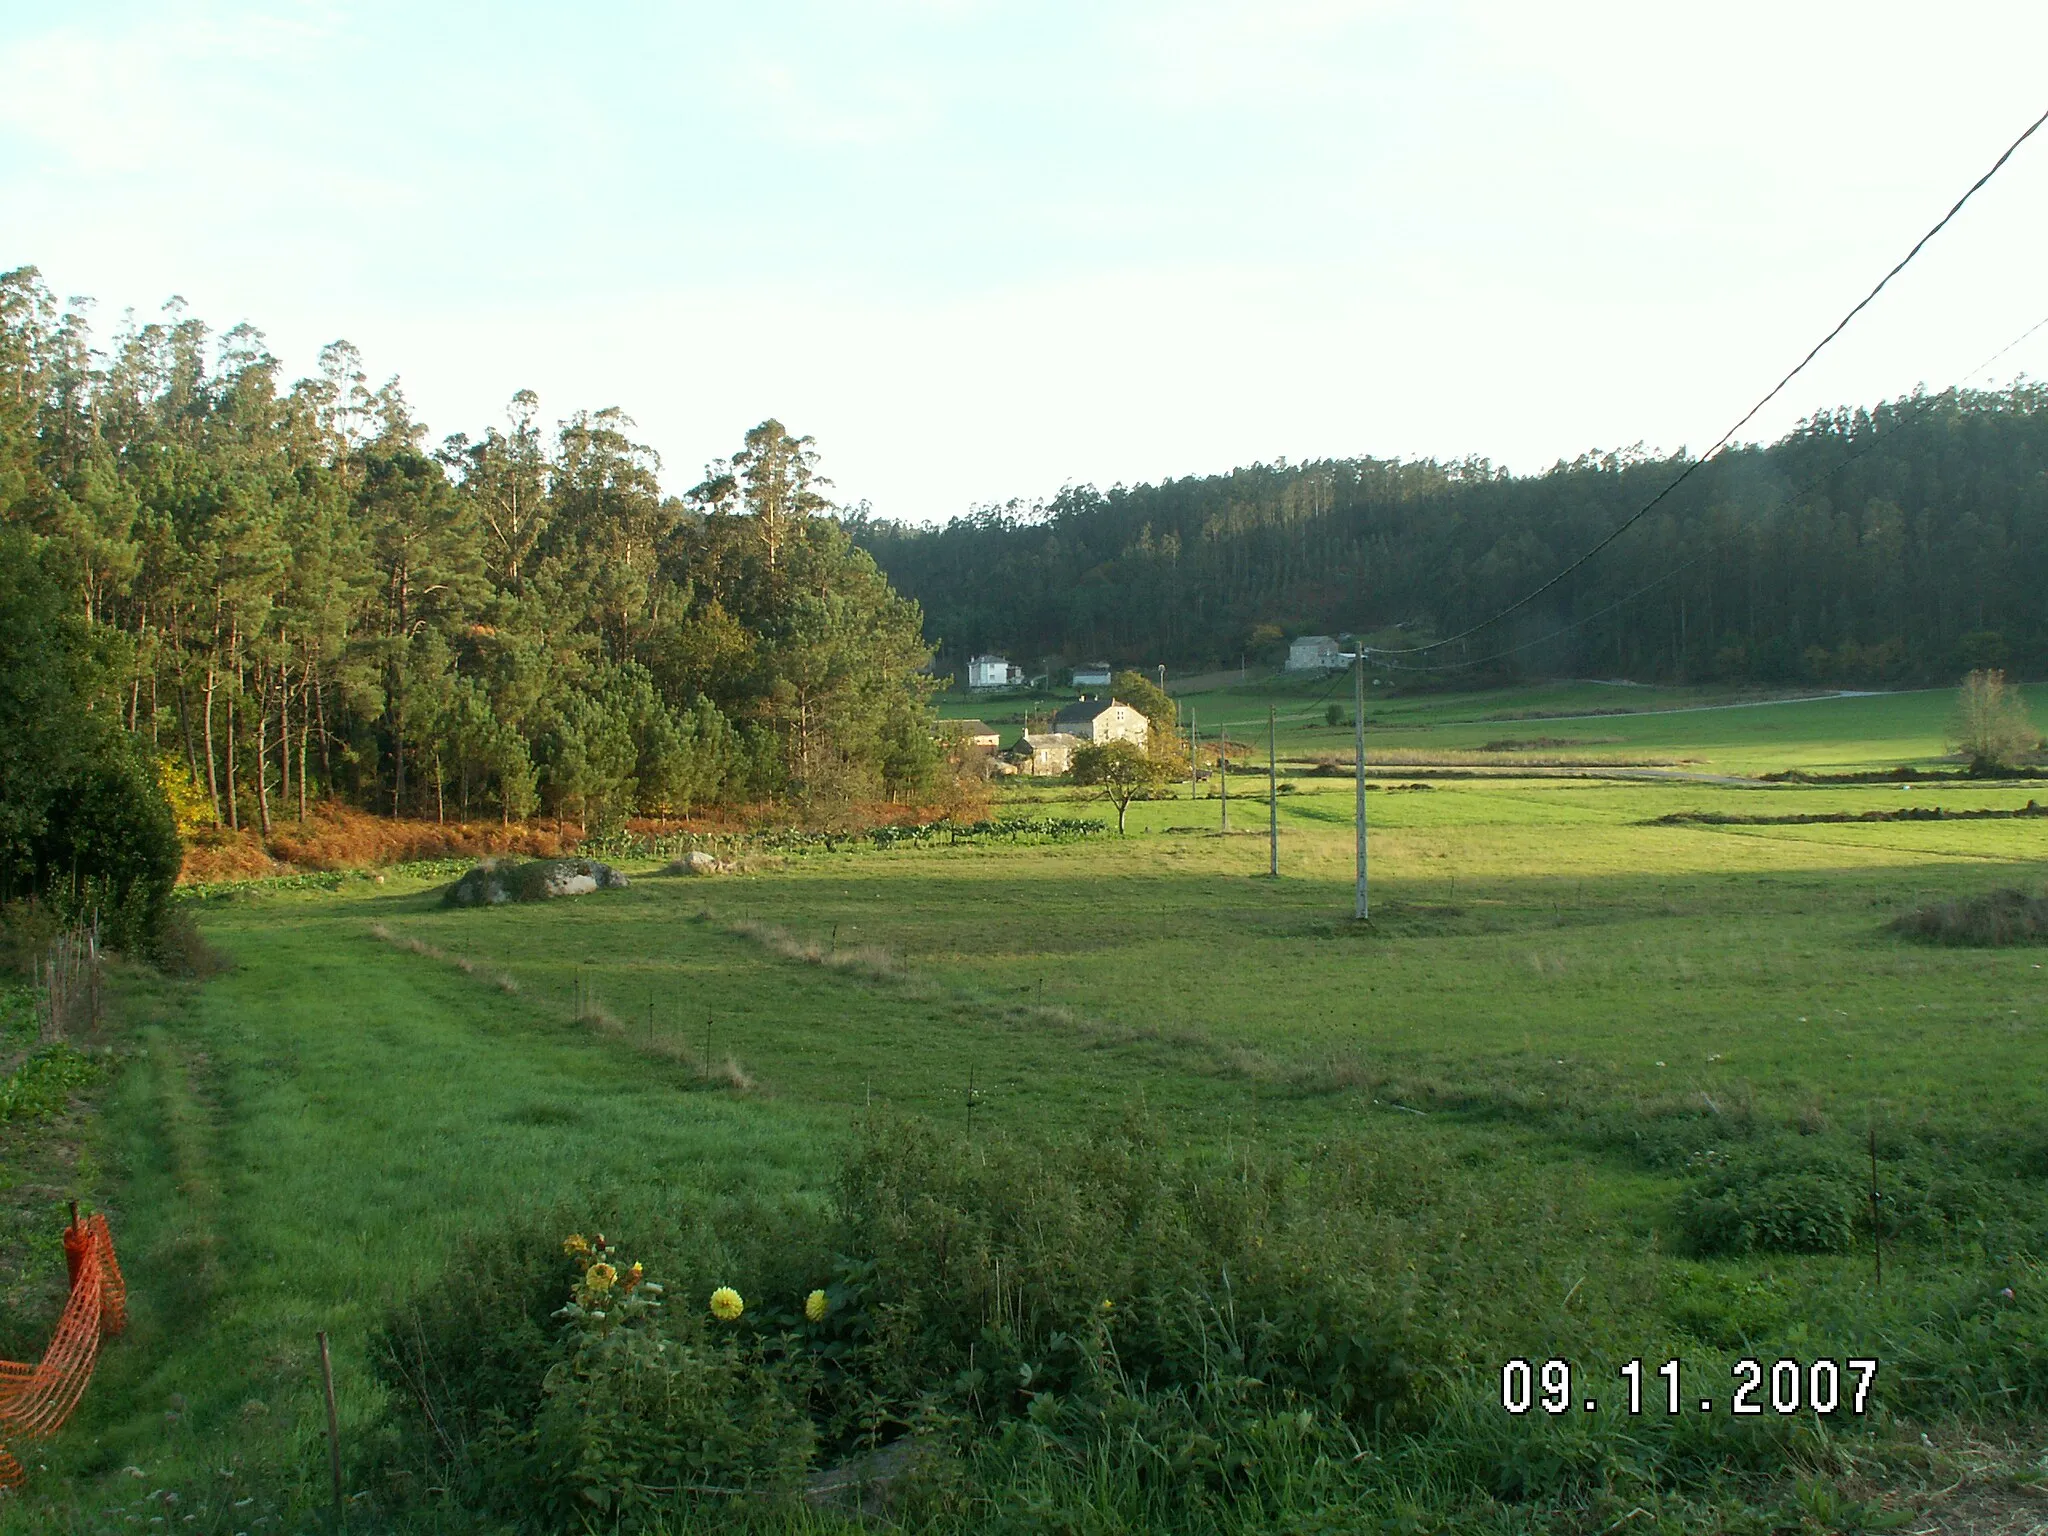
{"x": 575, "y": 1243}
{"x": 726, "y": 1305}
{"x": 816, "y": 1305}
{"x": 599, "y": 1276}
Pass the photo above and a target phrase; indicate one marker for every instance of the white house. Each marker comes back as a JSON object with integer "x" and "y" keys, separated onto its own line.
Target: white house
{"x": 1315, "y": 653}
{"x": 993, "y": 672}
{"x": 1103, "y": 720}
{"x": 1093, "y": 674}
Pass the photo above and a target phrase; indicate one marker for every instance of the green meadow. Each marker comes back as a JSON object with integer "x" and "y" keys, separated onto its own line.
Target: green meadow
{"x": 1692, "y": 1044}
{"x": 1732, "y": 730}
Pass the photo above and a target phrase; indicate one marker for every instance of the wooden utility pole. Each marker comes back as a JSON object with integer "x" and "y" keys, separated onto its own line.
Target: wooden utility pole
{"x": 1363, "y": 909}
{"x": 1272, "y": 796}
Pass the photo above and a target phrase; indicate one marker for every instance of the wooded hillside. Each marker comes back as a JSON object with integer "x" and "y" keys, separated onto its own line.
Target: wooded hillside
{"x": 1906, "y": 542}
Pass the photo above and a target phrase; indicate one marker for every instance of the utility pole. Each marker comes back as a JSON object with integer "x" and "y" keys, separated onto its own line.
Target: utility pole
{"x": 1358, "y": 727}
{"x": 1223, "y": 768}
{"x": 1194, "y": 755}
{"x": 1272, "y": 796}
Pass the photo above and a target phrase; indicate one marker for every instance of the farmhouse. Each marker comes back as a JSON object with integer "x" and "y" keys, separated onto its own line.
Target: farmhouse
{"x": 1045, "y": 754}
{"x": 1103, "y": 720}
{"x": 973, "y": 733}
{"x": 993, "y": 672}
{"x": 1314, "y": 653}
{"x": 1093, "y": 674}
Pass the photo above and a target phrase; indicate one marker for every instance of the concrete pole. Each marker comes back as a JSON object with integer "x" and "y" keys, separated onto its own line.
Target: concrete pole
{"x": 1358, "y": 727}
{"x": 1272, "y": 796}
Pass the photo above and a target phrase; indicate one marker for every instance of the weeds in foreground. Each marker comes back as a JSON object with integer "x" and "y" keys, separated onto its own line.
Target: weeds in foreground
{"x": 1103, "y": 1333}
{"x": 1022, "y": 1314}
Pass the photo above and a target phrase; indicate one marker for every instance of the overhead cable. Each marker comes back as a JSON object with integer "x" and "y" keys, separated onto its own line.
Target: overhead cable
{"x": 1693, "y": 466}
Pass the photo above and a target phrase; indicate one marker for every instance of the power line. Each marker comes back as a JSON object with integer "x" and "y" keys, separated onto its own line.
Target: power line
{"x": 1749, "y": 415}
{"x": 1985, "y": 366}
{"x": 1870, "y": 441}
{"x": 1649, "y": 586}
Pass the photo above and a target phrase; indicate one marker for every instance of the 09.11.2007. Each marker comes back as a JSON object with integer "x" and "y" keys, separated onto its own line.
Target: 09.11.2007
{"x": 1783, "y": 1387}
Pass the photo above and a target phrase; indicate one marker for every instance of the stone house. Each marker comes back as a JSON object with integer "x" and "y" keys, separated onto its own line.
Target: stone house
{"x": 1103, "y": 720}
{"x": 972, "y": 733}
{"x": 1314, "y": 653}
{"x": 1045, "y": 754}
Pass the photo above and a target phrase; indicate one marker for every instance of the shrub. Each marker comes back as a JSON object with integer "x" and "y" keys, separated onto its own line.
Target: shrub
{"x": 84, "y": 823}
{"x": 1990, "y": 727}
{"x": 114, "y": 829}
{"x": 1987, "y": 920}
{"x": 1805, "y": 1195}
{"x": 1770, "y": 1200}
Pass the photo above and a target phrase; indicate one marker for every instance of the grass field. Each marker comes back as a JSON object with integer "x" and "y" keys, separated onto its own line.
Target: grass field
{"x": 1562, "y": 1004}
{"x": 1709, "y": 730}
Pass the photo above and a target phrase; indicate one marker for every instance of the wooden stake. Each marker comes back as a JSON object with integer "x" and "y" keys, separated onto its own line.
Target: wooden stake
{"x": 333, "y": 1423}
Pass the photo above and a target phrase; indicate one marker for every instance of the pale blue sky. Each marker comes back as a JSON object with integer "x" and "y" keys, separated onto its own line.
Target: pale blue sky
{"x": 983, "y": 250}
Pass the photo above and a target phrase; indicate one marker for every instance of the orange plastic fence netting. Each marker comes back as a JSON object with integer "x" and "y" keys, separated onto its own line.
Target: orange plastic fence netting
{"x": 35, "y": 1400}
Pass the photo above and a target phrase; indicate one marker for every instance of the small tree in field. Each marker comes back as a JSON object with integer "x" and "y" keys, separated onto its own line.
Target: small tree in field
{"x": 1991, "y": 728}
{"x": 1121, "y": 771}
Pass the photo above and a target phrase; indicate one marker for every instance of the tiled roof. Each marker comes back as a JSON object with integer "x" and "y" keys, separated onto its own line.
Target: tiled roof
{"x": 1086, "y": 709}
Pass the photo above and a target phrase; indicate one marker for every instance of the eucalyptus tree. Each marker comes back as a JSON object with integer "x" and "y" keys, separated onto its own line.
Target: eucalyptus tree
{"x": 423, "y": 549}
{"x": 311, "y": 604}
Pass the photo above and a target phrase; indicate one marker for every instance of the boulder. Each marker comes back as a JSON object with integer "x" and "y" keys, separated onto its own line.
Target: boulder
{"x": 697, "y": 862}
{"x": 495, "y": 882}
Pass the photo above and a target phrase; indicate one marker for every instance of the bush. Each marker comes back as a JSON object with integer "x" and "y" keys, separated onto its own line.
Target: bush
{"x": 1780, "y": 1195}
{"x": 1990, "y": 727}
{"x": 1770, "y": 1200}
{"x": 1988, "y": 920}
{"x": 112, "y": 832}
{"x": 85, "y": 827}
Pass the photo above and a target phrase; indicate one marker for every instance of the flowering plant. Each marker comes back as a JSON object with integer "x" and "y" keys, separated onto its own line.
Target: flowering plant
{"x": 603, "y": 1295}
{"x": 634, "y": 1404}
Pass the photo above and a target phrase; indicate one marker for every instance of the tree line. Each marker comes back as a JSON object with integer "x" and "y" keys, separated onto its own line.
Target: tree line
{"x": 1905, "y": 542}
{"x": 313, "y": 600}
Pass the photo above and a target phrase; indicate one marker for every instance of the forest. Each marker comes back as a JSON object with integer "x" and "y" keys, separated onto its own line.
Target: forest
{"x": 290, "y": 594}
{"x": 1902, "y": 543}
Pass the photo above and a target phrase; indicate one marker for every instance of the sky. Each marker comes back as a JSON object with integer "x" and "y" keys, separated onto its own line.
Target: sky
{"x": 981, "y": 251}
